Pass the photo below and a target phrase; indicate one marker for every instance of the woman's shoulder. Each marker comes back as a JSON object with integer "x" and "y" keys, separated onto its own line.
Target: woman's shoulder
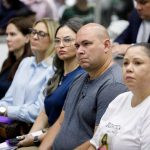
{"x": 121, "y": 98}
{"x": 27, "y": 60}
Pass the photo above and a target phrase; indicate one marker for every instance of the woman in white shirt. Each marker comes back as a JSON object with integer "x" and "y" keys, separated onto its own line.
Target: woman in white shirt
{"x": 22, "y": 101}
{"x": 126, "y": 123}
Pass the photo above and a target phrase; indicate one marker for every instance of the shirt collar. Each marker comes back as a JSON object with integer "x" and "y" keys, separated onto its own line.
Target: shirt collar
{"x": 44, "y": 63}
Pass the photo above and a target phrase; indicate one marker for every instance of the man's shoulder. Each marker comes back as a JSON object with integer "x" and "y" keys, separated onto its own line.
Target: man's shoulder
{"x": 112, "y": 80}
{"x": 114, "y": 73}
{"x": 80, "y": 77}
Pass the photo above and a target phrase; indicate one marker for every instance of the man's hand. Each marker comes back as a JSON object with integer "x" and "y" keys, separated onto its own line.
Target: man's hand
{"x": 25, "y": 140}
{"x": 119, "y": 49}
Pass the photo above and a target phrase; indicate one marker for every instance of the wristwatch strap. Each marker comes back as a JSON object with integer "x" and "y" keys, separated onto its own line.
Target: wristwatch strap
{"x": 36, "y": 141}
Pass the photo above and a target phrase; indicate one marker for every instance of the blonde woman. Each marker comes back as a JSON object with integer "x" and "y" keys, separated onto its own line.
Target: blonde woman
{"x": 23, "y": 101}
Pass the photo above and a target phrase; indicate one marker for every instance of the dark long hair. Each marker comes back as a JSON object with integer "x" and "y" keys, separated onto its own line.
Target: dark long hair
{"x": 23, "y": 26}
{"x": 74, "y": 24}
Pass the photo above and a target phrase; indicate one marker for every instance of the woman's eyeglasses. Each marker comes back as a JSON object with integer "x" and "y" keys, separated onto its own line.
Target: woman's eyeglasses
{"x": 66, "y": 41}
{"x": 40, "y": 34}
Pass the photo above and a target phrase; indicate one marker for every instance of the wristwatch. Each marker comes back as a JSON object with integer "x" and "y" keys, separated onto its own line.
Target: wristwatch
{"x": 3, "y": 110}
{"x": 36, "y": 141}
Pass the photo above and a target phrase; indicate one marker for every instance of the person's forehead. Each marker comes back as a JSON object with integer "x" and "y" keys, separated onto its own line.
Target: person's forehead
{"x": 85, "y": 36}
{"x": 40, "y": 26}
{"x": 136, "y": 50}
{"x": 86, "y": 31}
{"x": 65, "y": 31}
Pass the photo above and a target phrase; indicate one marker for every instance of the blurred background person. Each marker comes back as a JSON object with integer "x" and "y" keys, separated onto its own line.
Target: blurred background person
{"x": 113, "y": 10}
{"x": 138, "y": 29}
{"x": 17, "y": 38}
{"x": 10, "y": 9}
{"x": 42, "y": 8}
{"x": 80, "y": 9}
{"x": 118, "y": 18}
{"x": 61, "y": 5}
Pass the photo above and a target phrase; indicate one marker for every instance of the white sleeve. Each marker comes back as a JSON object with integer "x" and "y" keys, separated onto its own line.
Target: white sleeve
{"x": 145, "y": 132}
{"x": 99, "y": 133}
{"x": 25, "y": 112}
{"x": 95, "y": 140}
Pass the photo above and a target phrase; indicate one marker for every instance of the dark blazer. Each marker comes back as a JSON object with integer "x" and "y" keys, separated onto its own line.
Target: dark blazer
{"x": 129, "y": 35}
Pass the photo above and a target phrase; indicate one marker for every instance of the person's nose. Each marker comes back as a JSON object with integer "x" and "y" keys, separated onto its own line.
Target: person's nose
{"x": 80, "y": 50}
{"x": 8, "y": 38}
{"x": 129, "y": 67}
{"x": 61, "y": 44}
{"x": 35, "y": 36}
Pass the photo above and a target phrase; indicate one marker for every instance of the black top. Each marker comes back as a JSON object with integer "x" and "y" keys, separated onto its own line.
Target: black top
{"x": 4, "y": 82}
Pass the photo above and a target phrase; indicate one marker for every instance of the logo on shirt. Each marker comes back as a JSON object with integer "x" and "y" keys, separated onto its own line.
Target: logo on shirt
{"x": 112, "y": 128}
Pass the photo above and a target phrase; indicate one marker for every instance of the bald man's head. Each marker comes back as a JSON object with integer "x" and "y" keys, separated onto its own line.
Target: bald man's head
{"x": 93, "y": 46}
{"x": 96, "y": 29}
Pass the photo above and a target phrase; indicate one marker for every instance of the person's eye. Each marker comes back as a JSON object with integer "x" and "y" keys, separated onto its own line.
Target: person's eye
{"x": 67, "y": 40}
{"x": 125, "y": 63}
{"x": 87, "y": 43}
{"x": 42, "y": 34}
{"x": 77, "y": 46}
{"x": 12, "y": 34}
{"x": 33, "y": 32}
{"x": 137, "y": 63}
{"x": 57, "y": 41}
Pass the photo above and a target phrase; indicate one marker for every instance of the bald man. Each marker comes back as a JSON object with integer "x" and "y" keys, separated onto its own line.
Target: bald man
{"x": 90, "y": 93}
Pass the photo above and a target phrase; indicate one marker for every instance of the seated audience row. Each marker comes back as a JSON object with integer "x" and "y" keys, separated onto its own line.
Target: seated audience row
{"x": 88, "y": 96}
{"x": 23, "y": 100}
